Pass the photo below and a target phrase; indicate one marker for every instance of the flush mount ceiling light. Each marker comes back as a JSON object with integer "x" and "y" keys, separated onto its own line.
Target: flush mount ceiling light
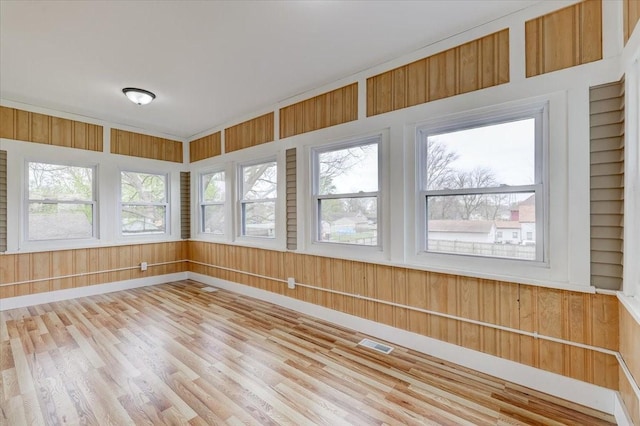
{"x": 138, "y": 96}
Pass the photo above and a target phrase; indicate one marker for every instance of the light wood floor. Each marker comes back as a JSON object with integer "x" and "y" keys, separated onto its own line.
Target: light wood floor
{"x": 175, "y": 354}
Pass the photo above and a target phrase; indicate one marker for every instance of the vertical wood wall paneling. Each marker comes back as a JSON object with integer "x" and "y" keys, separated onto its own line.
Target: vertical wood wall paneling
{"x": 607, "y": 184}
{"x": 250, "y": 133}
{"x": 145, "y": 146}
{"x": 329, "y": 109}
{"x": 205, "y": 147}
{"x": 48, "y": 265}
{"x": 591, "y": 319}
{"x": 45, "y": 129}
{"x": 630, "y": 351}
{"x": 631, "y": 16}
{"x": 472, "y": 66}
{"x": 292, "y": 223}
{"x": 185, "y": 205}
{"x": 3, "y": 201}
{"x": 565, "y": 38}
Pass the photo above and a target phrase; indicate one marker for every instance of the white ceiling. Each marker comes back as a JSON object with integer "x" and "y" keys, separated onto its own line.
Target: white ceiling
{"x": 208, "y": 62}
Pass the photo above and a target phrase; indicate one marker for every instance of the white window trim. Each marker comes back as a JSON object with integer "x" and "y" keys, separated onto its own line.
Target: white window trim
{"x": 201, "y": 203}
{"x": 539, "y": 188}
{"x": 270, "y": 242}
{"x": 316, "y": 198}
{"x": 61, "y": 242}
{"x": 167, "y": 205}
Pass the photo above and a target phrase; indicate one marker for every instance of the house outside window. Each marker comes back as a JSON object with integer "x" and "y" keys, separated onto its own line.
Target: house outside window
{"x": 479, "y": 179}
{"x": 212, "y": 202}
{"x": 346, "y": 193}
{"x": 61, "y": 202}
{"x": 143, "y": 203}
{"x": 258, "y": 193}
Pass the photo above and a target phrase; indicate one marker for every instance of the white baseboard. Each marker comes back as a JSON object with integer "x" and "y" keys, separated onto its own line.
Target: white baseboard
{"x": 92, "y": 290}
{"x": 620, "y": 412}
{"x": 583, "y": 393}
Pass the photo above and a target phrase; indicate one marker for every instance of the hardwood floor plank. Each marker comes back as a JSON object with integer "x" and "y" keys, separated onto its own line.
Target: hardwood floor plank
{"x": 174, "y": 354}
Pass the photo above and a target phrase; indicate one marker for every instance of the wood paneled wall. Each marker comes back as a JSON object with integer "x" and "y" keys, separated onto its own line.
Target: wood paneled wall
{"x": 250, "y": 133}
{"x": 40, "y": 128}
{"x": 326, "y": 110}
{"x": 145, "y": 146}
{"x": 475, "y": 65}
{"x": 35, "y": 266}
{"x": 205, "y": 147}
{"x": 579, "y": 317}
{"x": 631, "y": 16}
{"x": 565, "y": 38}
{"x": 630, "y": 351}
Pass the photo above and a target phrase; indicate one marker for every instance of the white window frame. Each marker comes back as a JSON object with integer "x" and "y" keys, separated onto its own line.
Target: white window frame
{"x": 241, "y": 202}
{"x": 166, "y": 205}
{"x": 316, "y": 198}
{"x": 202, "y": 203}
{"x": 538, "y": 111}
{"x": 94, "y": 203}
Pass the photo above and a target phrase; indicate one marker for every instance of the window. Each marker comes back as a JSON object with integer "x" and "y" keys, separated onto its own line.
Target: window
{"x": 529, "y": 236}
{"x": 481, "y": 176}
{"x": 212, "y": 197}
{"x": 143, "y": 203}
{"x": 258, "y": 195}
{"x": 346, "y": 193}
{"x": 61, "y": 202}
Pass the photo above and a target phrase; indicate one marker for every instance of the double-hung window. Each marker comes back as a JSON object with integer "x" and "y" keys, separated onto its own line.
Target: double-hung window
{"x": 478, "y": 177}
{"x": 212, "y": 202}
{"x": 143, "y": 203}
{"x": 346, "y": 193}
{"x": 61, "y": 202}
{"x": 257, "y": 198}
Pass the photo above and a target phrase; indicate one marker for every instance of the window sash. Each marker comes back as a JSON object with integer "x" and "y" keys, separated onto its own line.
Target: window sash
{"x": 539, "y": 187}
{"x": 165, "y": 204}
{"x": 243, "y": 217}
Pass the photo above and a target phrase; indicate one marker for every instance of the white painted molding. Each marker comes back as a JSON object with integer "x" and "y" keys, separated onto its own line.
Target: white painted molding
{"x": 557, "y": 385}
{"x": 92, "y": 290}
{"x": 620, "y": 412}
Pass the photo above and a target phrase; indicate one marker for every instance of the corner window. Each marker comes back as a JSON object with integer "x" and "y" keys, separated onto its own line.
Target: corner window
{"x": 143, "y": 203}
{"x": 346, "y": 193}
{"x": 61, "y": 202}
{"x": 480, "y": 177}
{"x": 258, "y": 195}
{"x": 212, "y": 199}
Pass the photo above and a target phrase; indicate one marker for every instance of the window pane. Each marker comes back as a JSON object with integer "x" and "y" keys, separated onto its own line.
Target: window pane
{"x": 213, "y": 219}
{"x": 63, "y": 183}
{"x": 488, "y": 156}
{"x": 349, "y": 170}
{"x": 213, "y": 187}
{"x": 349, "y": 221}
{"x": 143, "y": 188}
{"x": 259, "y": 219}
{"x": 143, "y": 219}
{"x": 60, "y": 221}
{"x": 259, "y": 181}
{"x": 484, "y": 225}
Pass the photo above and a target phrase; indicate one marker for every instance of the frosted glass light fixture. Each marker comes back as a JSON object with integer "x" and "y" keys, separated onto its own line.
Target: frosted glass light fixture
{"x": 138, "y": 96}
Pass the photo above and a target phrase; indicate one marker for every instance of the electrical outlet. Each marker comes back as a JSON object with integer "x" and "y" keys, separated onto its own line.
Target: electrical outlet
{"x": 143, "y": 266}
{"x": 291, "y": 283}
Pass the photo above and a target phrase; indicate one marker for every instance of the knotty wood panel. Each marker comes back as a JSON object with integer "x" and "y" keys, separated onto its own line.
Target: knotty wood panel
{"x": 631, "y": 16}
{"x": 475, "y": 65}
{"x": 46, "y": 266}
{"x": 565, "y": 38}
{"x": 149, "y": 353}
{"x": 205, "y": 147}
{"x": 250, "y": 133}
{"x": 39, "y": 128}
{"x": 630, "y": 351}
{"x": 145, "y": 146}
{"x": 329, "y": 109}
{"x": 590, "y": 319}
